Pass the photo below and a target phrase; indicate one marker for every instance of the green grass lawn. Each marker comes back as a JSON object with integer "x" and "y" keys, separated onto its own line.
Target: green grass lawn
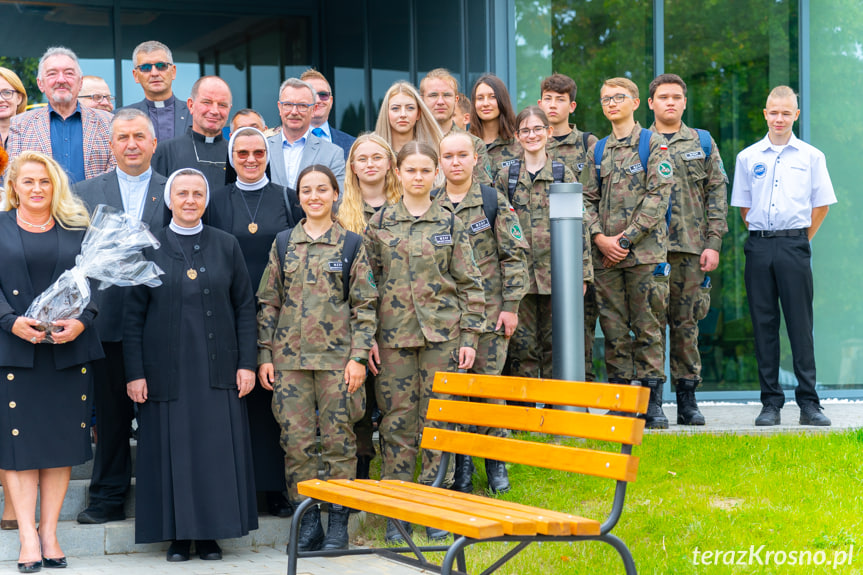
{"x": 788, "y": 492}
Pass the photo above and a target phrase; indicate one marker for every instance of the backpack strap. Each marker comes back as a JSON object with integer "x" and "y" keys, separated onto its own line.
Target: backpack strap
{"x": 557, "y": 171}
{"x": 585, "y": 140}
{"x": 350, "y": 249}
{"x": 451, "y": 224}
{"x": 489, "y": 203}
{"x": 598, "y": 150}
{"x": 282, "y": 239}
{"x": 644, "y": 147}
{"x": 433, "y": 194}
{"x": 706, "y": 143}
{"x": 514, "y": 169}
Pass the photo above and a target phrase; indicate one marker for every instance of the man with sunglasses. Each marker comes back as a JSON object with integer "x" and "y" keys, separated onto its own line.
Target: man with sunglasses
{"x": 296, "y": 146}
{"x": 321, "y": 116}
{"x": 155, "y": 71}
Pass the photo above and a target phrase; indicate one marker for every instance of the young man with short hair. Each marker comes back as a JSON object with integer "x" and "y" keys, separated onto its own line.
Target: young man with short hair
{"x": 698, "y": 209}
{"x": 625, "y": 204}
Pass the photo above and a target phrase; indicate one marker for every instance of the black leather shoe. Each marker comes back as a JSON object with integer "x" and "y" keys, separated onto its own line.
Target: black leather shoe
{"x": 436, "y": 534}
{"x": 311, "y": 531}
{"x": 208, "y": 550}
{"x": 278, "y": 505}
{"x": 769, "y": 416}
{"x": 498, "y": 480}
{"x": 32, "y": 567}
{"x": 94, "y": 515}
{"x": 179, "y": 550}
{"x": 393, "y": 535}
{"x": 463, "y": 474}
{"x": 811, "y": 415}
{"x": 59, "y": 563}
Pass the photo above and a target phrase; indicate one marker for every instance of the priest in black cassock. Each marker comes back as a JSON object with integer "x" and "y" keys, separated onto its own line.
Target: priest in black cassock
{"x": 202, "y": 147}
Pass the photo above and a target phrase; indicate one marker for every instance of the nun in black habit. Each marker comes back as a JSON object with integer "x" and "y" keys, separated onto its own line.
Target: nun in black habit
{"x": 190, "y": 352}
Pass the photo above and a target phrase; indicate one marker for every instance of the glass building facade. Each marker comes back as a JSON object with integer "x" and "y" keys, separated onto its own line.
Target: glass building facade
{"x": 729, "y": 52}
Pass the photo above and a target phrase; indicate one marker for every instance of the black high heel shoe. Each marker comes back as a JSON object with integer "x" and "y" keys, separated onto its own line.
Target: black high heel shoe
{"x": 30, "y": 567}
{"x": 59, "y": 563}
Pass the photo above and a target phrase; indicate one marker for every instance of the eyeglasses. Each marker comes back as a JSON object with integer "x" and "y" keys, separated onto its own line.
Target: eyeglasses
{"x": 301, "y": 107}
{"x": 618, "y": 99}
{"x": 244, "y": 154}
{"x": 7, "y": 94}
{"x": 324, "y": 95}
{"x": 538, "y": 130}
{"x": 160, "y": 66}
{"x": 99, "y": 97}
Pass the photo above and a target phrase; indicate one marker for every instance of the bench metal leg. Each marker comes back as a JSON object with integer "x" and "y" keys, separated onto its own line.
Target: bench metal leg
{"x": 623, "y": 550}
{"x": 293, "y": 535}
{"x": 454, "y": 553}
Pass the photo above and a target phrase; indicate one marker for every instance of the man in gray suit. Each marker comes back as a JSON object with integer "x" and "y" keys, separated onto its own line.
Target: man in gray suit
{"x": 134, "y": 188}
{"x": 155, "y": 71}
{"x": 295, "y": 147}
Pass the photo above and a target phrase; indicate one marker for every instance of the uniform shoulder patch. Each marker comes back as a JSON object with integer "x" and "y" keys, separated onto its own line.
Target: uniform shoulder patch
{"x": 664, "y": 169}
{"x": 515, "y": 231}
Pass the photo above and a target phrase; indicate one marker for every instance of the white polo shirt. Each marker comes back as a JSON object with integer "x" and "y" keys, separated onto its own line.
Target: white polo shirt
{"x": 781, "y": 184}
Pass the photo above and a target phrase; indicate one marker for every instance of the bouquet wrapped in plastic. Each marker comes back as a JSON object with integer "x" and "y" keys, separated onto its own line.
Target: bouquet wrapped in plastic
{"x": 110, "y": 253}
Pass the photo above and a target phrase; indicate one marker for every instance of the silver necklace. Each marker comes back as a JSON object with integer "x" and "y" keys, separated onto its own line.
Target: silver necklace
{"x": 42, "y": 227}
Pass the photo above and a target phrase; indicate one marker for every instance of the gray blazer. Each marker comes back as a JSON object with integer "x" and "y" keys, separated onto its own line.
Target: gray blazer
{"x": 105, "y": 189}
{"x": 182, "y": 117}
{"x": 316, "y": 151}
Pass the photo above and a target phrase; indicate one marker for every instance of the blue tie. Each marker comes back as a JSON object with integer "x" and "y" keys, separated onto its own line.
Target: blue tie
{"x": 319, "y": 132}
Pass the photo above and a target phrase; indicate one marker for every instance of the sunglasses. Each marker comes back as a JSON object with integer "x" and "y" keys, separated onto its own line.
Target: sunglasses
{"x": 244, "y": 154}
{"x": 160, "y": 66}
{"x": 324, "y": 96}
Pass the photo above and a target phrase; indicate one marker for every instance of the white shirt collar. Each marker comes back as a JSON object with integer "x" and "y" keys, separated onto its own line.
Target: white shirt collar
{"x": 128, "y": 178}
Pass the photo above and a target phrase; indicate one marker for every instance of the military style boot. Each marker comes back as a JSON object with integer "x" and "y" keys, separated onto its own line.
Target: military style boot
{"x": 655, "y": 418}
{"x": 498, "y": 480}
{"x": 687, "y": 409}
{"x": 337, "y": 528}
{"x": 311, "y": 530}
{"x": 463, "y": 474}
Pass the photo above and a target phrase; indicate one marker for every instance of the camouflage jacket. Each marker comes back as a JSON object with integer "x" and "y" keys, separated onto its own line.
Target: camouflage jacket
{"x": 482, "y": 170}
{"x": 531, "y": 202}
{"x": 499, "y": 251}
{"x": 699, "y": 204}
{"x": 303, "y": 322}
{"x": 428, "y": 283}
{"x": 501, "y": 153}
{"x": 571, "y": 150}
{"x": 632, "y": 200}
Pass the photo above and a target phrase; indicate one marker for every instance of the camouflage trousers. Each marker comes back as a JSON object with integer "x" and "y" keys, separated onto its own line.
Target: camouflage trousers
{"x": 490, "y": 358}
{"x": 296, "y": 394}
{"x": 633, "y": 300}
{"x": 688, "y": 302}
{"x": 530, "y": 346}
{"x": 404, "y": 388}
{"x": 591, "y": 314}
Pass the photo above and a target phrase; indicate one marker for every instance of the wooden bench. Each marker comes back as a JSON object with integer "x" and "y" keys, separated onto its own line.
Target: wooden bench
{"x": 476, "y": 519}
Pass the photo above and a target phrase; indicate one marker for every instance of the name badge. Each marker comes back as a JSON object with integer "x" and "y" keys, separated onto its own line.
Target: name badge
{"x": 479, "y": 226}
{"x": 335, "y": 266}
{"x": 442, "y": 239}
{"x": 508, "y": 163}
{"x": 699, "y": 155}
{"x": 635, "y": 168}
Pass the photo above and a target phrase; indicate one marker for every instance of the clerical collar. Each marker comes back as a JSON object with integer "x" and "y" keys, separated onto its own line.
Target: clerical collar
{"x": 128, "y": 178}
{"x": 254, "y": 186}
{"x": 207, "y": 139}
{"x": 181, "y": 231}
{"x": 160, "y": 103}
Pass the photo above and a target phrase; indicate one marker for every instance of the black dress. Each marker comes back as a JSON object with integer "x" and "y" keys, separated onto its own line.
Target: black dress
{"x": 194, "y": 478}
{"x": 46, "y": 412}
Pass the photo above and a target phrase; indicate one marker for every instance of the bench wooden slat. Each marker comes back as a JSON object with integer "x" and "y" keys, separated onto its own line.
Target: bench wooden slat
{"x": 513, "y": 523}
{"x": 627, "y": 430}
{"x": 579, "y": 525}
{"x": 616, "y": 397}
{"x": 589, "y": 462}
{"x": 461, "y": 523}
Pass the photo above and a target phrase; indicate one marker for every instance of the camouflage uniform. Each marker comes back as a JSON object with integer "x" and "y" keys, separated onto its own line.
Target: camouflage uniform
{"x": 430, "y": 304}
{"x": 698, "y": 211}
{"x": 309, "y": 333}
{"x": 571, "y": 151}
{"x": 482, "y": 170}
{"x": 501, "y": 153}
{"x": 629, "y": 296}
{"x": 530, "y": 347}
{"x": 500, "y": 256}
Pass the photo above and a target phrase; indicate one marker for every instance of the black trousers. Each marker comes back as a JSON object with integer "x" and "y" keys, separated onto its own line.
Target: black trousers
{"x": 778, "y": 270}
{"x": 112, "y": 467}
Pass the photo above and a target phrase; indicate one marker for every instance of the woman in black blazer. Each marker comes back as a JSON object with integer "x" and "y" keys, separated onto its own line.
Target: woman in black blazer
{"x": 44, "y": 402}
{"x": 190, "y": 351}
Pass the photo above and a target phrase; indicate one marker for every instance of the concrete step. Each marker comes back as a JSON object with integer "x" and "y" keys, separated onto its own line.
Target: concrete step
{"x": 85, "y": 470}
{"x": 119, "y": 537}
{"x": 78, "y": 497}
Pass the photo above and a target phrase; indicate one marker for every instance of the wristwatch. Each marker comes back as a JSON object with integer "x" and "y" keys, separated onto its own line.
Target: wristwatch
{"x": 624, "y": 242}
{"x": 361, "y": 361}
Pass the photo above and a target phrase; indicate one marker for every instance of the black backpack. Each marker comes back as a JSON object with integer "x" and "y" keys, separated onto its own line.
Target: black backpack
{"x": 350, "y": 249}
{"x": 489, "y": 202}
{"x": 557, "y": 171}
